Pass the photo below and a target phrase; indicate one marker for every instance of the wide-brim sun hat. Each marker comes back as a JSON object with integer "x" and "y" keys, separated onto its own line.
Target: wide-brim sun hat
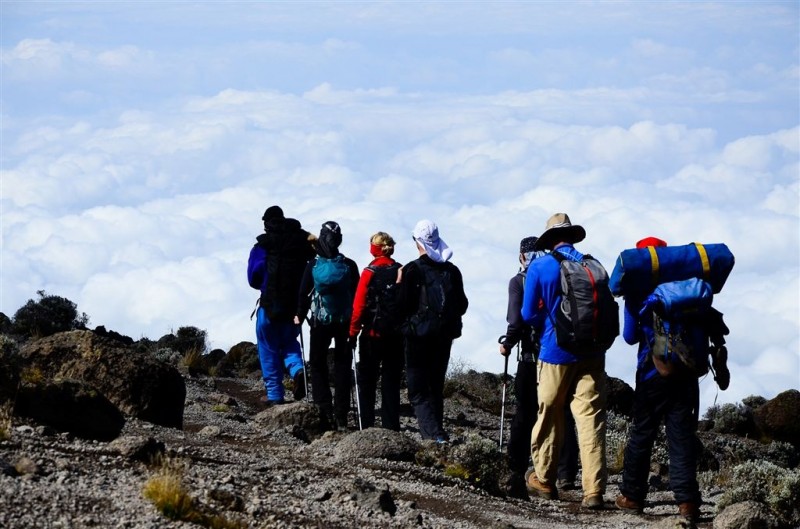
{"x": 559, "y": 229}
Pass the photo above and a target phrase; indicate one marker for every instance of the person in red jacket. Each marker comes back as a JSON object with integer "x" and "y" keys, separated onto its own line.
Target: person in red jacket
{"x": 381, "y": 344}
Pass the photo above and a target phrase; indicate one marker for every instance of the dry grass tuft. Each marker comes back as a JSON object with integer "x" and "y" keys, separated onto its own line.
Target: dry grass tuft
{"x": 168, "y": 492}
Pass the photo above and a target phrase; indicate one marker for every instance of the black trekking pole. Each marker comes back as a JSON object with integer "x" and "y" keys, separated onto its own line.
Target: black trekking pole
{"x": 505, "y": 383}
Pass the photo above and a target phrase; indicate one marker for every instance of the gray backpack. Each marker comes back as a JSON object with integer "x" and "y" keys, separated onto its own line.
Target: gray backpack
{"x": 587, "y": 320}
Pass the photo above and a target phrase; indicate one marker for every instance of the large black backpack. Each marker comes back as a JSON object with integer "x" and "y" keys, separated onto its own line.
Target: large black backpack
{"x": 437, "y": 313}
{"x": 288, "y": 252}
{"x": 587, "y": 320}
{"x": 383, "y": 304}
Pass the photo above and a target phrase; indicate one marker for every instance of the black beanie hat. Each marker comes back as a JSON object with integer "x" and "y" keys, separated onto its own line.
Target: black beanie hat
{"x": 272, "y": 212}
{"x": 526, "y": 245}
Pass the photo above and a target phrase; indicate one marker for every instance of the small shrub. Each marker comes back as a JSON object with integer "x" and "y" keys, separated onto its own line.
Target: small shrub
{"x": 615, "y": 451}
{"x": 782, "y": 454}
{"x": 754, "y": 402}
{"x": 190, "y": 338}
{"x": 49, "y": 315}
{"x": 167, "y": 355}
{"x": 221, "y": 408}
{"x": 734, "y": 419}
{"x": 10, "y": 367}
{"x": 431, "y": 455}
{"x": 479, "y": 462}
{"x": 761, "y": 481}
{"x": 5, "y": 324}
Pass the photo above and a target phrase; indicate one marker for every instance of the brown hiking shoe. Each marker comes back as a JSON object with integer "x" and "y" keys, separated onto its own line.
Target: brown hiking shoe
{"x": 690, "y": 511}
{"x": 626, "y": 504}
{"x": 538, "y": 488}
{"x": 593, "y": 502}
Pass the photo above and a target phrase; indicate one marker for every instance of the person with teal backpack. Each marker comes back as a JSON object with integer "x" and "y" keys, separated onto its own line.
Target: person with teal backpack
{"x": 327, "y": 290}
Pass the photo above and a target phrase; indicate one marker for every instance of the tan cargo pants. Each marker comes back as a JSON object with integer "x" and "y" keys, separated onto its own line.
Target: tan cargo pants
{"x": 584, "y": 382}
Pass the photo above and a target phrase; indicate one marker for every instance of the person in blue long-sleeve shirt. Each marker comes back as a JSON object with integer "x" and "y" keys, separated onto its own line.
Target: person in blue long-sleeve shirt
{"x": 562, "y": 375}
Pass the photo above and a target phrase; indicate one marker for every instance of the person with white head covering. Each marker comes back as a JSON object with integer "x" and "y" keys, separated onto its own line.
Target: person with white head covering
{"x": 426, "y": 233}
{"x": 433, "y": 301}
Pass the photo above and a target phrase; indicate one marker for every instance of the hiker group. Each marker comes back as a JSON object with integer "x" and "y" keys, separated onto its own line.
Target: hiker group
{"x": 562, "y": 318}
{"x": 397, "y": 318}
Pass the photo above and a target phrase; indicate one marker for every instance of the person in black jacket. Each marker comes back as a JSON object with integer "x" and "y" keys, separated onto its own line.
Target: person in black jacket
{"x": 328, "y": 287}
{"x": 274, "y": 267}
{"x": 433, "y": 301}
{"x": 522, "y": 335}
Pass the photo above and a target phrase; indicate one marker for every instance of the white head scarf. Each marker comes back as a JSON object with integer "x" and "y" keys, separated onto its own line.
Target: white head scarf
{"x": 426, "y": 233}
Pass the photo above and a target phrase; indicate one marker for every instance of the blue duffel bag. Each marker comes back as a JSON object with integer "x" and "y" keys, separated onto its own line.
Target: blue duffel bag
{"x": 639, "y": 270}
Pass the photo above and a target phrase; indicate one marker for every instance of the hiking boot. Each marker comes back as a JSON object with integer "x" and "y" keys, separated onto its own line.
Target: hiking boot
{"x": 299, "y": 385}
{"x": 593, "y": 502}
{"x": 516, "y": 486}
{"x": 565, "y": 484}
{"x": 266, "y": 402}
{"x": 690, "y": 511}
{"x": 538, "y": 488}
{"x": 719, "y": 363}
{"x": 626, "y": 504}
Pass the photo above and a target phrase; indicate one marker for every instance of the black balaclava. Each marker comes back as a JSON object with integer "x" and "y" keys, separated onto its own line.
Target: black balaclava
{"x": 330, "y": 237}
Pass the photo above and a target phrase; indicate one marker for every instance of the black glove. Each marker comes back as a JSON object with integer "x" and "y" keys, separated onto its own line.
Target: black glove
{"x": 352, "y": 341}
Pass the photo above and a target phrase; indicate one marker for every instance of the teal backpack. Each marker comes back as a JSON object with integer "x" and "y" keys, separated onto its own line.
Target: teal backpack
{"x": 331, "y": 300}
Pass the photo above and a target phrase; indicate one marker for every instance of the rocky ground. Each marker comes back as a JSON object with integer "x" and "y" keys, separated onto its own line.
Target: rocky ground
{"x": 246, "y": 467}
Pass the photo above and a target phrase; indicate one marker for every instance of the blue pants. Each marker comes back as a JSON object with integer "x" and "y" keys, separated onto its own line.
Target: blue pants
{"x": 278, "y": 348}
{"x": 674, "y": 400}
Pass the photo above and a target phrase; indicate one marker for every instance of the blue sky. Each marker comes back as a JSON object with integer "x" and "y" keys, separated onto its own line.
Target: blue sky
{"x": 141, "y": 143}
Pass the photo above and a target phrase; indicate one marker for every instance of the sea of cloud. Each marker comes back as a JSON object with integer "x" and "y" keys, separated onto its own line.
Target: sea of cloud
{"x": 140, "y": 148}
{"x": 146, "y": 222}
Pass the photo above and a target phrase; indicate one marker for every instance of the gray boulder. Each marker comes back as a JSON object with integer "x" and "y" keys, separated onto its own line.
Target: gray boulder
{"x": 777, "y": 418}
{"x": 70, "y": 406}
{"x": 379, "y": 443}
{"x": 746, "y": 515}
{"x": 138, "y": 448}
{"x": 137, "y": 383}
{"x": 295, "y": 415}
{"x": 371, "y": 498}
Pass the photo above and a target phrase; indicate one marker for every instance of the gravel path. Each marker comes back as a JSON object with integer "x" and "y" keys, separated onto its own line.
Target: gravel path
{"x": 254, "y": 478}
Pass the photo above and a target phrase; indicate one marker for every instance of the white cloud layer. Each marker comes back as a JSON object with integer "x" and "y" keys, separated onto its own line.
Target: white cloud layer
{"x": 135, "y": 167}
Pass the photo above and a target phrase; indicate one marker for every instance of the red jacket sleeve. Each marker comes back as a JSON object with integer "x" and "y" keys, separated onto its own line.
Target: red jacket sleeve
{"x": 360, "y": 302}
